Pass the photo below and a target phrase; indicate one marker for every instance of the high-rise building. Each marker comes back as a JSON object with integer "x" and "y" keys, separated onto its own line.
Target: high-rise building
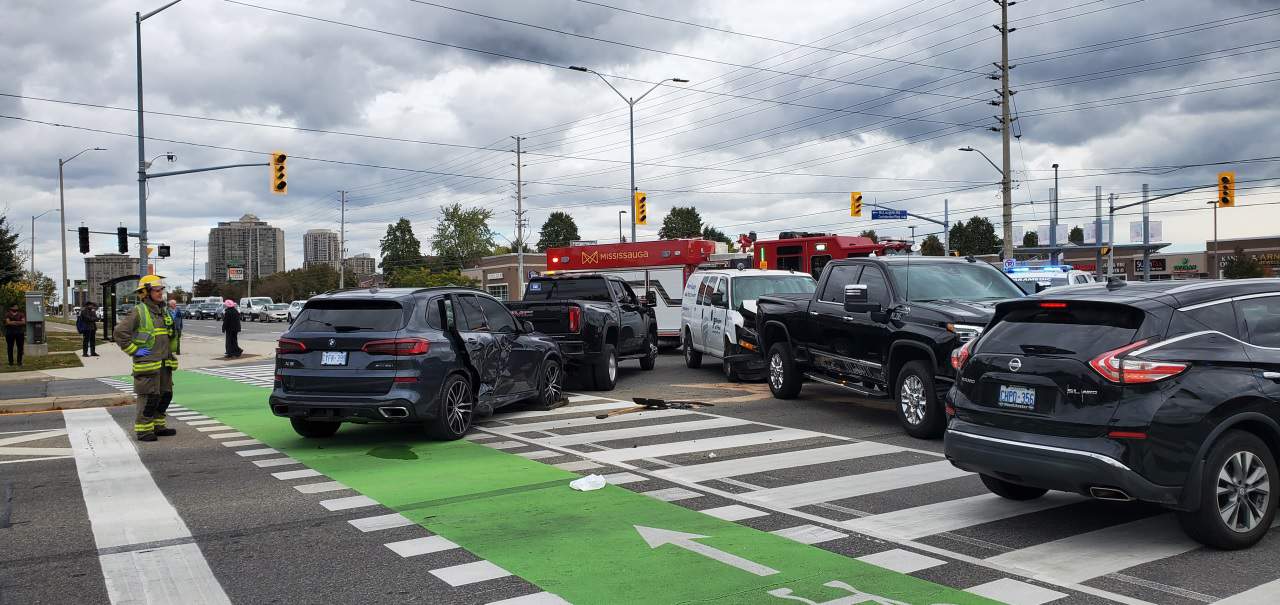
{"x": 361, "y": 265}
{"x": 321, "y": 247}
{"x": 244, "y": 249}
{"x": 105, "y": 267}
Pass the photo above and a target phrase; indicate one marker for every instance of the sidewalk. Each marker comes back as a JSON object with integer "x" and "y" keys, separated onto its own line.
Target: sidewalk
{"x": 197, "y": 352}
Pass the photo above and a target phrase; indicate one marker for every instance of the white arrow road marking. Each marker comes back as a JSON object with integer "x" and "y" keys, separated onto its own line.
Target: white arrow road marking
{"x": 32, "y": 436}
{"x": 655, "y": 537}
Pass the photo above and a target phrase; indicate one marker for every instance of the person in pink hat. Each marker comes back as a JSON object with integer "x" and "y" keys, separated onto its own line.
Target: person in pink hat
{"x": 231, "y": 328}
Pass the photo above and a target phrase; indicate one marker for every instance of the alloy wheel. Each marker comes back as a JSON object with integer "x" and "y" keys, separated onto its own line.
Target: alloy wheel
{"x": 551, "y": 376}
{"x": 775, "y": 371}
{"x": 458, "y": 407}
{"x": 1243, "y": 491}
{"x": 613, "y": 368}
{"x": 912, "y": 399}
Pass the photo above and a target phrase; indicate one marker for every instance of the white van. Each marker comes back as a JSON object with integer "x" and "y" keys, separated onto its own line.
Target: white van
{"x": 718, "y": 311}
{"x": 255, "y": 308}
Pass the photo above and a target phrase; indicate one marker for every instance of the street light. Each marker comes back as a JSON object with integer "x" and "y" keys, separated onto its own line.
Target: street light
{"x": 33, "y": 242}
{"x": 62, "y": 215}
{"x": 143, "y": 164}
{"x": 1005, "y": 187}
{"x": 620, "y": 238}
{"x": 631, "y": 108}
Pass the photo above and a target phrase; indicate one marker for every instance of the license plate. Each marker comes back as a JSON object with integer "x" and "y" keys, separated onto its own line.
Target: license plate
{"x": 333, "y": 358}
{"x": 1018, "y": 398}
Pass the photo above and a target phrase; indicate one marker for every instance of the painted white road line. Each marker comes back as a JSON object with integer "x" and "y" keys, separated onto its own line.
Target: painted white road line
{"x": 539, "y": 598}
{"x": 809, "y": 534}
{"x": 672, "y": 494}
{"x": 319, "y": 488}
{"x": 241, "y": 443}
{"x": 570, "y": 423}
{"x": 302, "y": 474}
{"x": 479, "y": 436}
{"x": 505, "y": 445}
{"x": 275, "y": 462}
{"x": 839, "y": 488}
{"x": 188, "y": 417}
{"x": 211, "y": 429}
{"x": 1015, "y": 592}
{"x": 26, "y": 436}
{"x": 540, "y": 454}
{"x": 1081, "y": 557}
{"x": 920, "y": 521}
{"x": 578, "y": 465}
{"x": 35, "y": 451}
{"x": 700, "y": 445}
{"x": 266, "y": 451}
{"x": 231, "y": 435}
{"x": 348, "y": 502}
{"x": 125, "y": 507}
{"x": 470, "y": 573}
{"x": 734, "y": 512}
{"x": 203, "y": 422}
{"x": 421, "y": 546}
{"x": 772, "y": 462}
{"x": 901, "y": 561}
{"x": 623, "y": 478}
{"x": 715, "y": 422}
{"x": 1266, "y": 594}
{"x": 576, "y": 398}
{"x": 381, "y": 522}
{"x": 591, "y": 407}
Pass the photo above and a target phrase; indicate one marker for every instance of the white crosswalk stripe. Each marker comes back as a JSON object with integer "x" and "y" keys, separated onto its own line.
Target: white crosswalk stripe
{"x": 839, "y": 488}
{"x": 921, "y": 521}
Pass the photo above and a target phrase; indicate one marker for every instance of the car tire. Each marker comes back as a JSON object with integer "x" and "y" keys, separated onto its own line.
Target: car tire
{"x": 1232, "y": 468}
{"x": 784, "y": 378}
{"x": 314, "y": 429}
{"x": 1011, "y": 491}
{"x": 604, "y": 375}
{"x": 457, "y": 409}
{"x": 550, "y": 385}
{"x": 692, "y": 356}
{"x": 650, "y": 361}
{"x": 916, "y": 402}
{"x": 730, "y": 374}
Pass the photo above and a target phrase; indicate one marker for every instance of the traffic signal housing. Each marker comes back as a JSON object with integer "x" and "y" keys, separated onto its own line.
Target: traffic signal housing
{"x": 855, "y": 204}
{"x": 122, "y": 240}
{"x": 279, "y": 176}
{"x": 162, "y": 251}
{"x": 1226, "y": 189}
{"x": 641, "y": 208}
{"x": 83, "y": 232}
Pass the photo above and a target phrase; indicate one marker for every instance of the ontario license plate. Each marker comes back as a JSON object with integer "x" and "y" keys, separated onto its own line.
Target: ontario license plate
{"x": 1018, "y": 398}
{"x": 333, "y": 358}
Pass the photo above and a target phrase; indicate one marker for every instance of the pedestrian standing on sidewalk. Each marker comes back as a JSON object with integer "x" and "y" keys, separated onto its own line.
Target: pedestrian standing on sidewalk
{"x": 176, "y": 314}
{"x": 146, "y": 335}
{"x": 231, "y": 328}
{"x": 15, "y": 332}
{"x": 87, "y": 325}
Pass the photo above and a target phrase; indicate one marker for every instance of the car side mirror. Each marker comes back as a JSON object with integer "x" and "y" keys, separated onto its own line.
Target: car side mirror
{"x": 856, "y": 297}
{"x": 527, "y": 326}
{"x": 1040, "y": 287}
{"x": 651, "y": 298}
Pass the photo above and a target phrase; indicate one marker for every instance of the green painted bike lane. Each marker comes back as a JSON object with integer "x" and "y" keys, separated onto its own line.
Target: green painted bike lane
{"x": 584, "y": 546}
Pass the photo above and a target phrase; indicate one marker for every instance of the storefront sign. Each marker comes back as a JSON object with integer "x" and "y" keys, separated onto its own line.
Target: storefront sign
{"x": 1157, "y": 265}
{"x": 1186, "y": 266}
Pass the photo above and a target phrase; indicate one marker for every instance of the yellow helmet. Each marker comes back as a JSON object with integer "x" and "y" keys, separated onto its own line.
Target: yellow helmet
{"x": 150, "y": 281}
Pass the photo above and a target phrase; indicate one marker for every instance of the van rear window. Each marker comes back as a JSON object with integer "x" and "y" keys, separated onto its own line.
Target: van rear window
{"x": 1070, "y": 328}
{"x": 351, "y": 316}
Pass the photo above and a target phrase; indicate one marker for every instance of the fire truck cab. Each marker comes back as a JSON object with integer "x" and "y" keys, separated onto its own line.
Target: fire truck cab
{"x": 810, "y": 252}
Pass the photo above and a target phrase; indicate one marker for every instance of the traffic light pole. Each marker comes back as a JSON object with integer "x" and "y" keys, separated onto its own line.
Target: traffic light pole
{"x": 1111, "y": 217}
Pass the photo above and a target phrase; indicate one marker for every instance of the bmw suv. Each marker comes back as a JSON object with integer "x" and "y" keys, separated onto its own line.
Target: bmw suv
{"x": 433, "y": 356}
{"x": 1163, "y": 392}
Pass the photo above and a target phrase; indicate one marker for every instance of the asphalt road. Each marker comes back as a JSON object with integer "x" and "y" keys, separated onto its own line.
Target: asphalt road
{"x": 249, "y": 330}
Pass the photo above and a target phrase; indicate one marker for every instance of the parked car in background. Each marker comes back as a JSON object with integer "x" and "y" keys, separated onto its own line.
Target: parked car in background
{"x": 597, "y": 321}
{"x": 254, "y": 308}
{"x": 295, "y": 308}
{"x": 1165, "y": 392}
{"x": 432, "y": 356}
{"x": 276, "y": 312}
{"x": 718, "y": 316}
{"x": 1034, "y": 279}
{"x": 123, "y": 309}
{"x": 208, "y": 310}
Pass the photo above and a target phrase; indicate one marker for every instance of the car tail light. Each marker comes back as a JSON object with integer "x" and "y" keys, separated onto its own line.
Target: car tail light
{"x": 288, "y": 345}
{"x": 1053, "y": 305}
{"x": 397, "y": 346}
{"x": 575, "y": 319}
{"x": 1127, "y": 435}
{"x": 961, "y": 355}
{"x": 405, "y": 379}
{"x": 1134, "y": 371}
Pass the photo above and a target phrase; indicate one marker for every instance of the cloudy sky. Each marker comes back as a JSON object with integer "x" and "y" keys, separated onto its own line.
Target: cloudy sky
{"x": 790, "y": 106}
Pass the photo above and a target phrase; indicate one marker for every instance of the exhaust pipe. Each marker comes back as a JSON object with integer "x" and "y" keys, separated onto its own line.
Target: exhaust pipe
{"x": 394, "y": 412}
{"x": 1110, "y": 493}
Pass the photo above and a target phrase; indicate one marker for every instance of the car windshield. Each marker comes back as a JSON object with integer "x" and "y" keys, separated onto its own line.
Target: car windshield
{"x": 209, "y": 306}
{"x": 277, "y": 307}
{"x": 351, "y": 316}
{"x": 256, "y": 302}
{"x": 752, "y": 288}
{"x": 979, "y": 281}
{"x": 591, "y": 288}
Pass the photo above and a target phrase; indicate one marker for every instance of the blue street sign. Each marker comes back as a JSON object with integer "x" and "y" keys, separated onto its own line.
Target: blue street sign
{"x": 888, "y": 214}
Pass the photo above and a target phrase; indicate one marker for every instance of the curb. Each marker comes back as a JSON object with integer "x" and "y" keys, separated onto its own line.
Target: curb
{"x": 72, "y": 402}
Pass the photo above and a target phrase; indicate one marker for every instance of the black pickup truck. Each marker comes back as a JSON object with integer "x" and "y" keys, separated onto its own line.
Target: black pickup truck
{"x": 884, "y": 328}
{"x": 597, "y": 320}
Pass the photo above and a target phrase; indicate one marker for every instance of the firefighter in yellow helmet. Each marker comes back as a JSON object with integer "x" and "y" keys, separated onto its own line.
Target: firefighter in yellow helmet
{"x": 148, "y": 336}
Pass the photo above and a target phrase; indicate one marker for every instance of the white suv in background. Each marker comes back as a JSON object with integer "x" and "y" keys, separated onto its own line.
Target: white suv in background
{"x": 718, "y": 316}
{"x": 255, "y": 308}
{"x": 295, "y": 308}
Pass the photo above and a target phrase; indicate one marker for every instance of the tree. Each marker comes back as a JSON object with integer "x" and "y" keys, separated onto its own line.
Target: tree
{"x": 681, "y": 223}
{"x": 1076, "y": 236}
{"x": 400, "y": 247}
{"x": 462, "y": 235}
{"x": 422, "y": 277}
{"x": 978, "y": 236}
{"x": 871, "y": 233}
{"x": 559, "y": 230}
{"x": 932, "y": 246}
{"x": 1240, "y": 266}
{"x": 10, "y": 257}
{"x": 204, "y": 287}
{"x": 1030, "y": 239}
{"x": 179, "y": 294}
{"x": 39, "y": 282}
{"x": 716, "y": 235}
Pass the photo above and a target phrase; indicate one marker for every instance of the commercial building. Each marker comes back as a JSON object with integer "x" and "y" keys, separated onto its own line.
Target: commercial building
{"x": 1183, "y": 265}
{"x": 500, "y": 277}
{"x": 321, "y": 247}
{"x": 245, "y": 248}
{"x": 361, "y": 265}
{"x": 105, "y": 267}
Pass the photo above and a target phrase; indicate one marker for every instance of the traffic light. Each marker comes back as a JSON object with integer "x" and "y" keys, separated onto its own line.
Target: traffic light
{"x": 1226, "y": 189}
{"x": 855, "y": 204}
{"x": 122, "y": 240}
{"x": 641, "y": 208}
{"x": 162, "y": 251}
{"x": 83, "y": 232}
{"x": 279, "y": 184}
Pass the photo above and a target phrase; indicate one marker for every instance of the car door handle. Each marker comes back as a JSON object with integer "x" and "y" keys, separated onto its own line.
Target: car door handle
{"x": 813, "y": 313}
{"x": 848, "y": 319}
{"x": 1271, "y": 376}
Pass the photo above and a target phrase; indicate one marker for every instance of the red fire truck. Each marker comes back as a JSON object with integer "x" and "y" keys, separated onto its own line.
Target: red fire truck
{"x": 661, "y": 266}
{"x": 810, "y": 252}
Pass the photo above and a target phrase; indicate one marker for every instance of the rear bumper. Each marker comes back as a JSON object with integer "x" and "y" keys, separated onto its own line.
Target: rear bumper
{"x": 1068, "y": 464}
{"x": 399, "y": 405}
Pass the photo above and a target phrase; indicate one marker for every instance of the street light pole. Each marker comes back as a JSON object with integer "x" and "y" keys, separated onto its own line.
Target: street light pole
{"x": 33, "y": 242}
{"x": 142, "y": 150}
{"x": 62, "y": 215}
{"x": 621, "y": 239}
{"x": 631, "y": 109}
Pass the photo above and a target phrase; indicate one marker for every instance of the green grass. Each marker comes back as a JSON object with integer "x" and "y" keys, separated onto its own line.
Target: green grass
{"x": 61, "y": 343}
{"x": 53, "y": 361}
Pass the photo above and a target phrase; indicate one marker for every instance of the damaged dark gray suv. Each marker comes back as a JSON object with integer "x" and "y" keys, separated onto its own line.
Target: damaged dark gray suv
{"x": 434, "y": 356}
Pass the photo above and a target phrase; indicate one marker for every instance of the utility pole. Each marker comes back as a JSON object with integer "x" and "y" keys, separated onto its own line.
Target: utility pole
{"x": 1097, "y": 230}
{"x": 1053, "y": 220}
{"x": 62, "y": 220}
{"x": 1213, "y": 267}
{"x": 519, "y": 243}
{"x": 946, "y": 229}
{"x": 342, "y": 239}
{"x": 1006, "y": 125}
{"x": 1146, "y": 235}
{"x": 193, "y": 266}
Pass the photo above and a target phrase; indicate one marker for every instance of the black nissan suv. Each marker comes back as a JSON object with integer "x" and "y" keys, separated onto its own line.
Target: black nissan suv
{"x": 1164, "y": 392}
{"x": 433, "y": 356}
